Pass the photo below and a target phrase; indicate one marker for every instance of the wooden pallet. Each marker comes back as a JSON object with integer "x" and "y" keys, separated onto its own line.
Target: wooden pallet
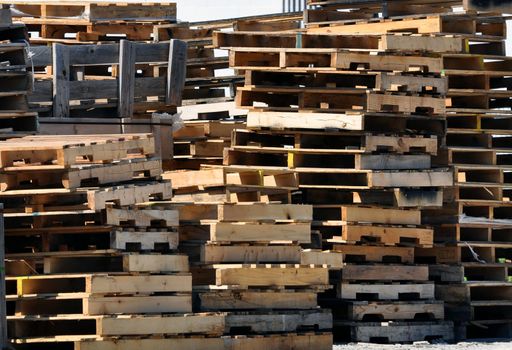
{"x": 388, "y": 42}
{"x": 249, "y": 232}
{"x": 149, "y": 263}
{"x": 90, "y": 96}
{"x": 362, "y": 179}
{"x": 398, "y": 332}
{"x": 93, "y": 12}
{"x": 57, "y": 238}
{"x": 99, "y": 283}
{"x": 385, "y": 311}
{"x": 264, "y": 212}
{"x": 403, "y": 198}
{"x": 489, "y": 252}
{"x": 217, "y": 254}
{"x": 368, "y": 253}
{"x": 329, "y": 10}
{"x": 384, "y": 273}
{"x": 324, "y": 140}
{"x": 287, "y": 99}
{"x": 253, "y": 275}
{"x": 77, "y": 303}
{"x": 26, "y": 177}
{"x": 279, "y": 321}
{"x": 367, "y": 214}
{"x": 383, "y": 291}
{"x": 26, "y": 328}
{"x": 346, "y": 81}
{"x": 353, "y": 121}
{"x": 386, "y": 235}
{"x": 220, "y": 300}
{"x": 69, "y": 31}
{"x": 69, "y": 150}
{"x": 305, "y": 158}
{"x": 328, "y": 60}
{"x": 218, "y": 177}
{"x": 200, "y": 148}
{"x": 422, "y": 24}
{"x": 485, "y": 291}
{"x": 55, "y": 202}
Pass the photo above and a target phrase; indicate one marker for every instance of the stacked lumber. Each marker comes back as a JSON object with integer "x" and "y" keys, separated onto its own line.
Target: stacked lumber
{"x": 246, "y": 261}
{"x": 201, "y": 142}
{"x": 91, "y": 21}
{"x": 360, "y": 122}
{"x": 15, "y": 80}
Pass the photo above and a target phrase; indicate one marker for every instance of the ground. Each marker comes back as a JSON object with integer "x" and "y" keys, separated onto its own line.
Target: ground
{"x": 425, "y": 346}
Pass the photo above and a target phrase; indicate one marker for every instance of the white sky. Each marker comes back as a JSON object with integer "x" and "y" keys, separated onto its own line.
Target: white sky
{"x": 201, "y": 10}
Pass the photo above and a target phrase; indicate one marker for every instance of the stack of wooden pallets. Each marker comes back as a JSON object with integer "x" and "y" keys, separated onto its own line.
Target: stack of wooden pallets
{"x": 473, "y": 246}
{"x": 87, "y": 267}
{"x": 208, "y": 77}
{"x": 91, "y": 21}
{"x": 80, "y": 275}
{"x": 89, "y": 88}
{"x": 359, "y": 122}
{"x": 55, "y": 189}
{"x": 202, "y": 142}
{"x": 472, "y": 251}
{"x": 81, "y": 92}
{"x": 246, "y": 261}
{"x": 15, "y": 79}
{"x": 206, "y": 80}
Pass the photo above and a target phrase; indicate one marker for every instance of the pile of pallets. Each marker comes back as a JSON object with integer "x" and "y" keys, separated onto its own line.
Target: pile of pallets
{"x": 15, "y": 80}
{"x": 91, "y": 21}
{"x": 208, "y": 77}
{"x": 201, "y": 142}
{"x": 82, "y": 87}
{"x": 359, "y": 122}
{"x": 246, "y": 261}
{"x": 81, "y": 93}
{"x": 84, "y": 266}
{"x": 206, "y": 82}
{"x": 472, "y": 232}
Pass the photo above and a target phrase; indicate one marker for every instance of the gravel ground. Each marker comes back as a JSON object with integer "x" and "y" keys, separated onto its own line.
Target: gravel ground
{"x": 426, "y": 346}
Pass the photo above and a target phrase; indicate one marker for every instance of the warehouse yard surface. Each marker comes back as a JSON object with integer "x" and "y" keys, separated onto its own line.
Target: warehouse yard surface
{"x": 424, "y": 346}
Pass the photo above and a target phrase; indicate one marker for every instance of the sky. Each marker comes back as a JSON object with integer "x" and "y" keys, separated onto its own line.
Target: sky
{"x": 201, "y": 10}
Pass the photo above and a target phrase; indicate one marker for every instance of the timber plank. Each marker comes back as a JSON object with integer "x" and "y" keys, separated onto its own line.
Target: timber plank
{"x": 257, "y": 300}
{"x": 265, "y": 212}
{"x": 271, "y": 276}
{"x": 214, "y": 254}
{"x": 250, "y": 232}
{"x": 385, "y": 273}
